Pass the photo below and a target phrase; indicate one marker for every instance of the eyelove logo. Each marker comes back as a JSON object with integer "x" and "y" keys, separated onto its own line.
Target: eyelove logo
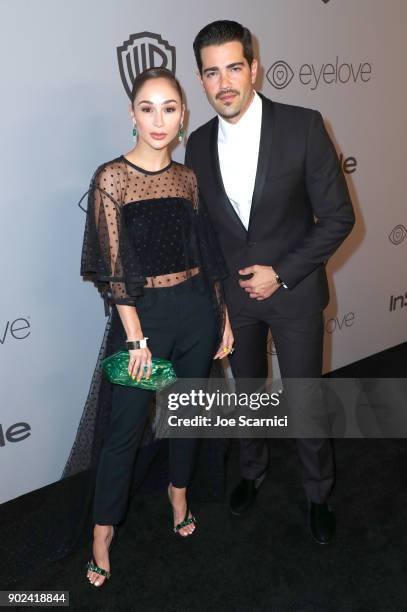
{"x": 339, "y": 322}
{"x": 141, "y": 51}
{"x": 18, "y": 329}
{"x": 15, "y": 433}
{"x": 349, "y": 164}
{"x": 398, "y": 234}
{"x": 280, "y": 74}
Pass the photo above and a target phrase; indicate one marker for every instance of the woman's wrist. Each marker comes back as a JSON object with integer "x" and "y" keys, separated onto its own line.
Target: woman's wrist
{"x": 135, "y": 335}
{"x": 136, "y": 344}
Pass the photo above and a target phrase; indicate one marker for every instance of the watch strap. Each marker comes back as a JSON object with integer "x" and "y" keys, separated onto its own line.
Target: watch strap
{"x": 280, "y": 281}
{"x": 136, "y": 344}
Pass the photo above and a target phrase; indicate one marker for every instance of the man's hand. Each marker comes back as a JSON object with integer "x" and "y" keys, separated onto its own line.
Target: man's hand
{"x": 263, "y": 283}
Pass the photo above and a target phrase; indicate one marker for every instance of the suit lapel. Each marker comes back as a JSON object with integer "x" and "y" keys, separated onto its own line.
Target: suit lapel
{"x": 264, "y": 159}
{"x": 219, "y": 186}
{"x": 263, "y": 164}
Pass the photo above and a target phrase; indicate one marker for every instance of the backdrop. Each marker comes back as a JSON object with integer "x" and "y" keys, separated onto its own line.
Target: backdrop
{"x": 66, "y": 67}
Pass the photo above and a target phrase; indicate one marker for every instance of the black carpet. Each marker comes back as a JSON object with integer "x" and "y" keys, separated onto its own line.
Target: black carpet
{"x": 267, "y": 560}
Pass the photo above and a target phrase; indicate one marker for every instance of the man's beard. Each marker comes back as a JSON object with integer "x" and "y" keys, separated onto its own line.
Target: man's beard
{"x": 230, "y": 115}
{"x": 225, "y": 113}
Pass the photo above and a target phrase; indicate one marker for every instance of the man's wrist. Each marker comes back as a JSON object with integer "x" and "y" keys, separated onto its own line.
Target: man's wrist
{"x": 279, "y": 280}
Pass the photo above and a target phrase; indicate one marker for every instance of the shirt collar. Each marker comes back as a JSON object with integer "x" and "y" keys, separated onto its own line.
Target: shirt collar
{"x": 249, "y": 121}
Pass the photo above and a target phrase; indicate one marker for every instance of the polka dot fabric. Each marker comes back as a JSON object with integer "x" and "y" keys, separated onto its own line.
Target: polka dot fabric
{"x": 147, "y": 229}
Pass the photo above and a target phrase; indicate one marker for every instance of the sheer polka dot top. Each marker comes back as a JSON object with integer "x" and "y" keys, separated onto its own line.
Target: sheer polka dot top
{"x": 145, "y": 228}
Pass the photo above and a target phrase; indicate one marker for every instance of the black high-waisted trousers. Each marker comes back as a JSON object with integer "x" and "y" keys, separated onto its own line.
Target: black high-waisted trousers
{"x": 181, "y": 326}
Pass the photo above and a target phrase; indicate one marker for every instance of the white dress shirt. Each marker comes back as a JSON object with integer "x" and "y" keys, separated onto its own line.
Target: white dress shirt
{"x": 238, "y": 149}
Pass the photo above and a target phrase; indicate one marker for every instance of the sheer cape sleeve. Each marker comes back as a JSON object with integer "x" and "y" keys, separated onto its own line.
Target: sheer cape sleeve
{"x": 59, "y": 520}
{"x": 107, "y": 259}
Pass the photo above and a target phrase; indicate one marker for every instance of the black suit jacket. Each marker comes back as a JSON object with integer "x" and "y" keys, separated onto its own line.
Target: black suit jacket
{"x": 301, "y": 209}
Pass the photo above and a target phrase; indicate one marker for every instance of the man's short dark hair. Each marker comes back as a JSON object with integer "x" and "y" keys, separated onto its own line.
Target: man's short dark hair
{"x": 219, "y": 33}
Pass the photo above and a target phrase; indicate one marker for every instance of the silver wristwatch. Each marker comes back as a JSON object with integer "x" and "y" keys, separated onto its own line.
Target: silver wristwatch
{"x": 136, "y": 344}
{"x": 280, "y": 281}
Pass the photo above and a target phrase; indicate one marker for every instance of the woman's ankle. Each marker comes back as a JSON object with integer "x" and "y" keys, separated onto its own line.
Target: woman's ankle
{"x": 178, "y": 495}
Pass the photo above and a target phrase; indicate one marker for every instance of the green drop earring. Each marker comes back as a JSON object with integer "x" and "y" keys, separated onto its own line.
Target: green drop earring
{"x": 181, "y": 133}
{"x": 134, "y": 132}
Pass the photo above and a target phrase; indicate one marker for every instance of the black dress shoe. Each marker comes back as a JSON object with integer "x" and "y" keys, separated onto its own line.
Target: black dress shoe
{"x": 321, "y": 522}
{"x": 243, "y": 496}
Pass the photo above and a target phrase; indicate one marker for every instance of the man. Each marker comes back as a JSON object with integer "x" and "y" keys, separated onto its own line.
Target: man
{"x": 278, "y": 201}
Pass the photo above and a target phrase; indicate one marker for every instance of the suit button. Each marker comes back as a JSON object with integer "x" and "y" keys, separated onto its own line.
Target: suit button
{"x": 251, "y": 244}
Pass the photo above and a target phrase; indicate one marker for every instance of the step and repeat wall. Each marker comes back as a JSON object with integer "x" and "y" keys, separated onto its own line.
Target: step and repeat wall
{"x": 66, "y": 72}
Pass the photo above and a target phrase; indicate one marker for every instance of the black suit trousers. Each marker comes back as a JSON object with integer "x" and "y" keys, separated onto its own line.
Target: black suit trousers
{"x": 181, "y": 326}
{"x": 299, "y": 343}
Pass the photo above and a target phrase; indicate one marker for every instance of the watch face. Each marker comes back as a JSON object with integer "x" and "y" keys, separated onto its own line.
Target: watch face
{"x": 133, "y": 344}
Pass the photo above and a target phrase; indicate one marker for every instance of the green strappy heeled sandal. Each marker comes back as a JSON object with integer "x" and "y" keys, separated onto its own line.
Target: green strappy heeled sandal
{"x": 93, "y": 567}
{"x": 187, "y": 521}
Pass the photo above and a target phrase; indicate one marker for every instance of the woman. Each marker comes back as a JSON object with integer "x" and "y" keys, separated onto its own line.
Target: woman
{"x": 149, "y": 249}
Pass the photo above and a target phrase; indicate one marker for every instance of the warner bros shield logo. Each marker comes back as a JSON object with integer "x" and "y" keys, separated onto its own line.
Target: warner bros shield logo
{"x": 141, "y": 51}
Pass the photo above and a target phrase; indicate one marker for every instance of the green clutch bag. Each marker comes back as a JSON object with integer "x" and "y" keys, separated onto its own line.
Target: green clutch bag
{"x": 116, "y": 369}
